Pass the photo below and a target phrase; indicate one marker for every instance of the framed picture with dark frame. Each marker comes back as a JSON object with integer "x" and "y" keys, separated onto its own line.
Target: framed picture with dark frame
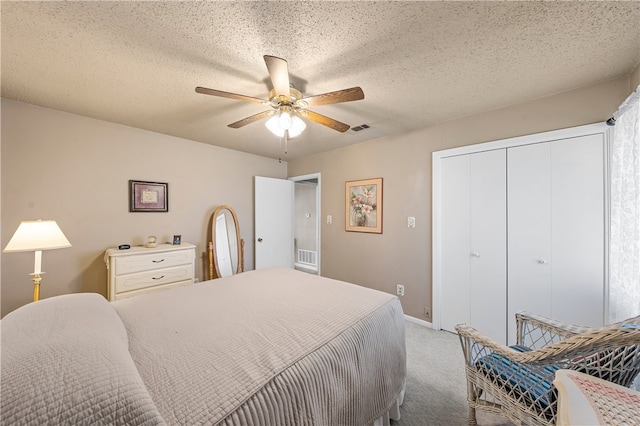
{"x": 148, "y": 196}
{"x": 363, "y": 205}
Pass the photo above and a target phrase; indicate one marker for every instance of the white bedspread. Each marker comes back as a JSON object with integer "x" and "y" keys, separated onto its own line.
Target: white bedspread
{"x": 268, "y": 347}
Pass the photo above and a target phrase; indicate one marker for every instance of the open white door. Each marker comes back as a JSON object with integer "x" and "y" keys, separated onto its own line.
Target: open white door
{"x": 273, "y": 212}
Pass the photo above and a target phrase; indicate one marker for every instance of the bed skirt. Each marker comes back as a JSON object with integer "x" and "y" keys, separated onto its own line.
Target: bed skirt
{"x": 392, "y": 414}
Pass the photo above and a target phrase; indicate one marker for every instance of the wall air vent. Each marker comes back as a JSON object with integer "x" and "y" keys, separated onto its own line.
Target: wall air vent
{"x": 360, "y": 127}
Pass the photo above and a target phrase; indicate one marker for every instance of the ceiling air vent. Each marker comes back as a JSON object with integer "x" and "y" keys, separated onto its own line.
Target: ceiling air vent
{"x": 360, "y": 127}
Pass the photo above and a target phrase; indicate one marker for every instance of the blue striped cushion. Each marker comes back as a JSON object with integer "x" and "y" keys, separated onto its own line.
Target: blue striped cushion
{"x": 529, "y": 381}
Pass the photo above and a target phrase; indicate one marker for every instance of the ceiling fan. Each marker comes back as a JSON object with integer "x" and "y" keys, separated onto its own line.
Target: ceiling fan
{"x": 287, "y": 104}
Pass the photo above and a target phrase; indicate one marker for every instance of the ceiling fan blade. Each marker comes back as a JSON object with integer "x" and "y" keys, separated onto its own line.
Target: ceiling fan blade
{"x": 325, "y": 121}
{"x": 235, "y": 96}
{"x": 251, "y": 119}
{"x": 279, "y": 74}
{"x": 346, "y": 95}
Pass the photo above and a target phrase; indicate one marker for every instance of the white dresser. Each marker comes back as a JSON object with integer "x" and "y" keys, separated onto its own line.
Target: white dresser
{"x": 140, "y": 270}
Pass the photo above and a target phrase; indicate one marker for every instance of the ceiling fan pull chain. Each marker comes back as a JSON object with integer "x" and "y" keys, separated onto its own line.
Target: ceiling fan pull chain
{"x": 286, "y": 141}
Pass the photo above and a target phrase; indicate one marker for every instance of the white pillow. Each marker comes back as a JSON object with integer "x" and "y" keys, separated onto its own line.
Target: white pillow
{"x": 65, "y": 360}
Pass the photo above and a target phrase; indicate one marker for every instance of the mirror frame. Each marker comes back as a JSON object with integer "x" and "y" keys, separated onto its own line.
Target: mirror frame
{"x": 214, "y": 268}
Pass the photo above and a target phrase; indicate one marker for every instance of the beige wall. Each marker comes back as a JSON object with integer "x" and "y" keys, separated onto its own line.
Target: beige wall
{"x": 402, "y": 255}
{"x": 635, "y": 78}
{"x": 75, "y": 170}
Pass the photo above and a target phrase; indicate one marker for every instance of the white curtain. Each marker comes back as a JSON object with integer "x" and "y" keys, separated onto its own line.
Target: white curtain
{"x": 624, "y": 238}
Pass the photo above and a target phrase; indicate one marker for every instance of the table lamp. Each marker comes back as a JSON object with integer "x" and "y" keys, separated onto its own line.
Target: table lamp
{"x": 37, "y": 235}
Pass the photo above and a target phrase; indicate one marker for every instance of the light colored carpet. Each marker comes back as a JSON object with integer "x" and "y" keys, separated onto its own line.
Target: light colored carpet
{"x": 436, "y": 391}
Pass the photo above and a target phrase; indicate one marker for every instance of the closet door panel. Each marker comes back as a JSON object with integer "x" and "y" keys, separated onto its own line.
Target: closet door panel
{"x": 529, "y": 231}
{"x": 577, "y": 229}
{"x": 455, "y": 228}
{"x": 488, "y": 288}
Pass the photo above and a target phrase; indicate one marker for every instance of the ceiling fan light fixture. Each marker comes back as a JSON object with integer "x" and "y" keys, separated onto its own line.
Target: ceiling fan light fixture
{"x": 273, "y": 125}
{"x": 282, "y": 121}
{"x": 285, "y": 121}
{"x": 297, "y": 126}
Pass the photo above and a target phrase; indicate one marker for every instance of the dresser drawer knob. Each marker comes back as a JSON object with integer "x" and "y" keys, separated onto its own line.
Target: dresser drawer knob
{"x": 158, "y": 261}
{"x": 157, "y": 278}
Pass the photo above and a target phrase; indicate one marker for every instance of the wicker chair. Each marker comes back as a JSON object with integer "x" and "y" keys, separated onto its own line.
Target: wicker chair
{"x": 517, "y": 381}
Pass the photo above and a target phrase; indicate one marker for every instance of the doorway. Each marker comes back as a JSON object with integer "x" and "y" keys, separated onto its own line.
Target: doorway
{"x": 306, "y": 223}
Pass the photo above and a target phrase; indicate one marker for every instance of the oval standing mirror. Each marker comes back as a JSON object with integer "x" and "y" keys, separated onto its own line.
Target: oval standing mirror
{"x": 225, "y": 247}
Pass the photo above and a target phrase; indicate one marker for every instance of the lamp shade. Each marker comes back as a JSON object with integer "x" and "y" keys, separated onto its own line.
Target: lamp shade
{"x": 37, "y": 235}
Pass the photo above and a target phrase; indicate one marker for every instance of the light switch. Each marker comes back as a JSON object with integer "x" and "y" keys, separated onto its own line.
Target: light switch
{"x": 411, "y": 222}
{"x": 329, "y": 219}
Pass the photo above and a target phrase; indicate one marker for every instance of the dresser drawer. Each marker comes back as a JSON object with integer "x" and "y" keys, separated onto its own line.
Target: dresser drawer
{"x": 147, "y": 262}
{"x": 158, "y": 277}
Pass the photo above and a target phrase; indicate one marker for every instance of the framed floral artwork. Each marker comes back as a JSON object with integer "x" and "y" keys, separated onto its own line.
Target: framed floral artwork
{"x": 148, "y": 196}
{"x": 363, "y": 205}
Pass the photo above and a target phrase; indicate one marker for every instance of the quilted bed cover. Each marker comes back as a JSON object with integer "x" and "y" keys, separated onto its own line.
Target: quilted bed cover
{"x": 269, "y": 347}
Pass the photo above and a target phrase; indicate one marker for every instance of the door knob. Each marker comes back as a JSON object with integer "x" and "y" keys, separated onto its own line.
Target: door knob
{"x": 259, "y": 240}
{"x": 475, "y": 254}
{"x": 542, "y": 261}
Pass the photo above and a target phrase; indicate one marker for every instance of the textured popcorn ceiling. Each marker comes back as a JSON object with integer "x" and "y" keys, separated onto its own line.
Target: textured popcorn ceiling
{"x": 419, "y": 63}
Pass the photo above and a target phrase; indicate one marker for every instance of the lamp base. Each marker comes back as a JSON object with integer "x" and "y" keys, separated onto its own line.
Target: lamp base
{"x": 36, "y": 285}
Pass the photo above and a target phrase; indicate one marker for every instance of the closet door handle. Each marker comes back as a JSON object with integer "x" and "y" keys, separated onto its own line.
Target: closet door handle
{"x": 542, "y": 261}
{"x": 475, "y": 254}
{"x": 259, "y": 240}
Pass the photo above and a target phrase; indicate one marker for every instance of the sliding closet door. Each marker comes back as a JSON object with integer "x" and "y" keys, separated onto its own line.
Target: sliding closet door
{"x": 529, "y": 230}
{"x": 556, "y": 230}
{"x": 488, "y": 289}
{"x": 473, "y": 286}
{"x": 577, "y": 229}
{"x": 455, "y": 231}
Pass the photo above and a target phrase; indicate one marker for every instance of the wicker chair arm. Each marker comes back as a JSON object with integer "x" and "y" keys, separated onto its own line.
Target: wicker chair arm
{"x": 573, "y": 349}
{"x": 476, "y": 344}
{"x": 555, "y": 330}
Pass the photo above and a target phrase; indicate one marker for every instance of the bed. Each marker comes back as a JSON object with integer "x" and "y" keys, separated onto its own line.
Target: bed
{"x": 267, "y": 347}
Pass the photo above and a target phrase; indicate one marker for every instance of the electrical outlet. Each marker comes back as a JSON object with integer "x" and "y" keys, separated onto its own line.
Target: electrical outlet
{"x": 427, "y": 312}
{"x": 400, "y": 290}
